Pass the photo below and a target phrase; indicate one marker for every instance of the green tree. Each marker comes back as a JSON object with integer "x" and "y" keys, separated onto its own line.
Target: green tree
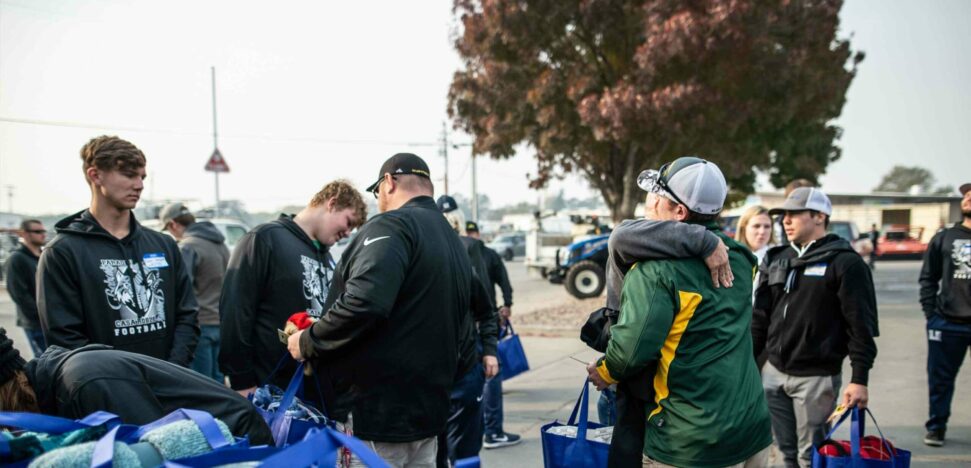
{"x": 903, "y": 178}
{"x": 611, "y": 87}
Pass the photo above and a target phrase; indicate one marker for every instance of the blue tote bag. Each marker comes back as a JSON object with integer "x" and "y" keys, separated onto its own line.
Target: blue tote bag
{"x": 319, "y": 448}
{"x": 512, "y": 358}
{"x": 285, "y": 428}
{"x": 562, "y": 451}
{"x": 898, "y": 458}
{"x": 54, "y": 425}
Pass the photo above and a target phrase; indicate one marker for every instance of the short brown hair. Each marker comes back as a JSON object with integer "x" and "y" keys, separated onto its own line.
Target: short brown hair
{"x": 345, "y": 196}
{"x": 110, "y": 153}
{"x": 25, "y": 224}
{"x": 17, "y": 394}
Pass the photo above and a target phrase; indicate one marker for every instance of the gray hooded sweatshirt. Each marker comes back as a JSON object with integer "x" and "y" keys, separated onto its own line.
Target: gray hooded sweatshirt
{"x": 204, "y": 251}
{"x": 636, "y": 240}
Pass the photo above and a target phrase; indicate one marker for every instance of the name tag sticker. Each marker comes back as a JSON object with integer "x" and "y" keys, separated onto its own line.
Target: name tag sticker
{"x": 818, "y": 269}
{"x": 155, "y": 261}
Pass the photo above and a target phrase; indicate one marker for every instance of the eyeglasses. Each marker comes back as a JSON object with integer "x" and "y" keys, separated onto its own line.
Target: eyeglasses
{"x": 377, "y": 188}
{"x": 37, "y": 231}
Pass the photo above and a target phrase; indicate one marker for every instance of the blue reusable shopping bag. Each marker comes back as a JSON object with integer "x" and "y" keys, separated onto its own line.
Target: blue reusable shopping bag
{"x": 285, "y": 428}
{"x": 512, "y": 358}
{"x": 319, "y": 448}
{"x": 43, "y": 423}
{"x": 562, "y": 451}
{"x": 899, "y": 458}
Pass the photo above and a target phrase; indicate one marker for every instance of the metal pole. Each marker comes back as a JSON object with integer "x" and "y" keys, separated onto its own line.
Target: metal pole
{"x": 445, "y": 154}
{"x": 475, "y": 192}
{"x": 215, "y": 135}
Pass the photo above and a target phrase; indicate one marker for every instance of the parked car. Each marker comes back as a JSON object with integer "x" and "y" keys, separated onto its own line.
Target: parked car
{"x": 901, "y": 241}
{"x": 232, "y": 229}
{"x": 509, "y": 245}
{"x": 848, "y": 230}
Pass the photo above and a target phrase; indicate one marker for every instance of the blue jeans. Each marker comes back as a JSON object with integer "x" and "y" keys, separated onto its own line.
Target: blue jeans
{"x": 206, "y": 361}
{"x": 607, "y": 408}
{"x": 492, "y": 405}
{"x": 35, "y": 336}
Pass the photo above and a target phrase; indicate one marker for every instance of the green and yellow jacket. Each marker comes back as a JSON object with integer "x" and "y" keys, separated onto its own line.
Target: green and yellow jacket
{"x": 709, "y": 407}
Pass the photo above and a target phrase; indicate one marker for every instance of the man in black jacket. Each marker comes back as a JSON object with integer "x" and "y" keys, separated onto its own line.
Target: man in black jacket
{"x": 945, "y": 297}
{"x": 22, "y": 284}
{"x": 276, "y": 270}
{"x": 463, "y": 434}
{"x": 105, "y": 279}
{"x": 390, "y": 339}
{"x": 492, "y": 416}
{"x": 137, "y": 388}
{"x": 814, "y": 304}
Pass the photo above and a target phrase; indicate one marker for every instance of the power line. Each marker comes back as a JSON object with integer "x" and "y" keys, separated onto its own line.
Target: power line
{"x": 92, "y": 126}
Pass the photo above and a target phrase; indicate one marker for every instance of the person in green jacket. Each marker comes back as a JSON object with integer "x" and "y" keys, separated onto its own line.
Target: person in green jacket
{"x": 709, "y": 407}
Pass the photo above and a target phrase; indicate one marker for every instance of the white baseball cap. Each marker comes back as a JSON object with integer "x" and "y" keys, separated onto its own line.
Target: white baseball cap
{"x": 691, "y": 181}
{"x": 803, "y": 199}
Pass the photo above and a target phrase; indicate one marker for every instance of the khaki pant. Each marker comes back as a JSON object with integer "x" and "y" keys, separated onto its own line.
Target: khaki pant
{"x": 759, "y": 460}
{"x": 417, "y": 454}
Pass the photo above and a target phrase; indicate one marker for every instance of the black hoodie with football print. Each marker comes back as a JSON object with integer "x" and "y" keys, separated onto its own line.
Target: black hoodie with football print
{"x": 275, "y": 270}
{"x": 133, "y": 293}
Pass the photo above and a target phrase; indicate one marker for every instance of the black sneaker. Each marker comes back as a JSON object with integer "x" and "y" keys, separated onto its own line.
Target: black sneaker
{"x": 935, "y": 438}
{"x": 503, "y": 439}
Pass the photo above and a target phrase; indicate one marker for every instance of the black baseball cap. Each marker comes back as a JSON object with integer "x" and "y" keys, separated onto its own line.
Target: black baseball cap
{"x": 471, "y": 227}
{"x": 446, "y": 204}
{"x": 402, "y": 164}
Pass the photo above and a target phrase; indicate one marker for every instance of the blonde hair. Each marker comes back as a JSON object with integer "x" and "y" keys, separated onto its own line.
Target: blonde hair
{"x": 345, "y": 196}
{"x": 747, "y": 216}
{"x": 456, "y": 219}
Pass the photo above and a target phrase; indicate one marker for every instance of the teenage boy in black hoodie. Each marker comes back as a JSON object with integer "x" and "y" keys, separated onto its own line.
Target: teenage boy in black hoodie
{"x": 814, "y": 304}
{"x": 105, "y": 279}
{"x": 945, "y": 297}
{"x": 278, "y": 269}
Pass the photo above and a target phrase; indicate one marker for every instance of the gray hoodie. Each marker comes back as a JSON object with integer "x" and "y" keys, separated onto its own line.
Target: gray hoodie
{"x": 636, "y": 240}
{"x": 204, "y": 251}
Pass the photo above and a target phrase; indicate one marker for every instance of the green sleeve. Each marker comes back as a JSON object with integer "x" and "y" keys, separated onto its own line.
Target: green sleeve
{"x": 646, "y": 314}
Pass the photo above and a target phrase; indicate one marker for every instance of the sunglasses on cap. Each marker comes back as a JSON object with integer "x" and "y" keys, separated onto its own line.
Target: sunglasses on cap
{"x": 656, "y": 181}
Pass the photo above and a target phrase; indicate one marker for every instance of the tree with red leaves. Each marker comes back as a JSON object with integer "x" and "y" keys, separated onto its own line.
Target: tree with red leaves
{"x": 611, "y": 87}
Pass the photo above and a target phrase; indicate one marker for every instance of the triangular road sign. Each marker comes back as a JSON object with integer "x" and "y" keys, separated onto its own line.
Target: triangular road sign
{"x": 216, "y": 162}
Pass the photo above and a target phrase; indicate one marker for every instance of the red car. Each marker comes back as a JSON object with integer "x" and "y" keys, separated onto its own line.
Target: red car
{"x": 901, "y": 241}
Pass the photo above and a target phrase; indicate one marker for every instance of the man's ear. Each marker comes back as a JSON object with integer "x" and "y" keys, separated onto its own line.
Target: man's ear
{"x": 330, "y": 204}
{"x": 93, "y": 175}
{"x": 682, "y": 212}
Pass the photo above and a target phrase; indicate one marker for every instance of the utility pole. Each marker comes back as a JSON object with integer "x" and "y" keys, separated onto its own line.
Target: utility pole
{"x": 10, "y": 198}
{"x": 215, "y": 136}
{"x": 445, "y": 153}
{"x": 475, "y": 192}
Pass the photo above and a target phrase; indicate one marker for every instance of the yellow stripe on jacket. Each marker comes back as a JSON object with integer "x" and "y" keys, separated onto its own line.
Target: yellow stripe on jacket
{"x": 689, "y": 303}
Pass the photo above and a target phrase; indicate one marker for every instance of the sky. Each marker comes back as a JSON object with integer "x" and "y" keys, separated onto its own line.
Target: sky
{"x": 310, "y": 91}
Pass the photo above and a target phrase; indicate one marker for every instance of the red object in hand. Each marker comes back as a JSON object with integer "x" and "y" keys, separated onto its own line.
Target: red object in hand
{"x": 301, "y": 320}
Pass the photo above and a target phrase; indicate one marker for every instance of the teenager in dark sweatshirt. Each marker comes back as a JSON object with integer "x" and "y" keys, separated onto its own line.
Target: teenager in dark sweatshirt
{"x": 278, "y": 269}
{"x": 105, "y": 279}
{"x": 945, "y": 297}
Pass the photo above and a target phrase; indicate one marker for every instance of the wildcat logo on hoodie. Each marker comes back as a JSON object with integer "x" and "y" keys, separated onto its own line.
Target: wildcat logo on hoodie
{"x": 961, "y": 256}
{"x": 134, "y": 290}
{"x": 316, "y": 283}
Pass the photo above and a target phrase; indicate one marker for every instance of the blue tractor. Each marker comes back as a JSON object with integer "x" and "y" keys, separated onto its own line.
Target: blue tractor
{"x": 581, "y": 266}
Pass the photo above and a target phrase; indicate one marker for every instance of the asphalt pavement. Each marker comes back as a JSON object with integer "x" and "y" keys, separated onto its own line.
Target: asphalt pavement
{"x": 898, "y": 384}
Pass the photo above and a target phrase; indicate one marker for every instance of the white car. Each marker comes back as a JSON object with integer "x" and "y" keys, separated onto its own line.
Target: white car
{"x": 232, "y": 229}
